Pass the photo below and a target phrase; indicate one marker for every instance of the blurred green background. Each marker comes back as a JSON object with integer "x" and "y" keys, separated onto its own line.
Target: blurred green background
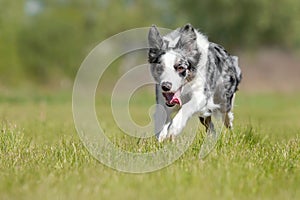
{"x": 43, "y": 42}
{"x": 42, "y": 45}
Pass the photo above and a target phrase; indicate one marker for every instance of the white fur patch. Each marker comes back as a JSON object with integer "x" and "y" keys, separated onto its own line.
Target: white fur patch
{"x": 169, "y": 74}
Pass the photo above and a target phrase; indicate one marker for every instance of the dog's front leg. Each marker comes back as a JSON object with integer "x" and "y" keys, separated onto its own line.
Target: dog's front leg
{"x": 183, "y": 115}
{"x": 162, "y": 116}
{"x": 180, "y": 120}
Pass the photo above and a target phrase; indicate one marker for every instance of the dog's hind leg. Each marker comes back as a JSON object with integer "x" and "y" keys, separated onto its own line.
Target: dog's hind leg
{"x": 207, "y": 122}
{"x": 228, "y": 118}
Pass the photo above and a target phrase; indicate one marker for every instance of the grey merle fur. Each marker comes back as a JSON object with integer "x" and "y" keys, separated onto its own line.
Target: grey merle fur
{"x": 220, "y": 65}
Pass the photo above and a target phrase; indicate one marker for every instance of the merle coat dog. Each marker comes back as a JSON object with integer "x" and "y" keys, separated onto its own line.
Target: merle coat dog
{"x": 195, "y": 75}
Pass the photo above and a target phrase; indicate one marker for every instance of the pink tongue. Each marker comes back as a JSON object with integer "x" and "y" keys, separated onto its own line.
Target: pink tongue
{"x": 176, "y": 98}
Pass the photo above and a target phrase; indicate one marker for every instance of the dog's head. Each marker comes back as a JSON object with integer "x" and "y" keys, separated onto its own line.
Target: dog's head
{"x": 172, "y": 66}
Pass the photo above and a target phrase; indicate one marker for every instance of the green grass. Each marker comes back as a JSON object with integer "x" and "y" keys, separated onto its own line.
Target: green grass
{"x": 41, "y": 156}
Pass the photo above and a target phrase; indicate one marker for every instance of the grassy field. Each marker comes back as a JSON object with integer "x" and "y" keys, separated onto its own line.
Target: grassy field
{"x": 41, "y": 156}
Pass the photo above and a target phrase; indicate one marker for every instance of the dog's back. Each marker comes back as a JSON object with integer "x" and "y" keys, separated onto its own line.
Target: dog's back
{"x": 223, "y": 76}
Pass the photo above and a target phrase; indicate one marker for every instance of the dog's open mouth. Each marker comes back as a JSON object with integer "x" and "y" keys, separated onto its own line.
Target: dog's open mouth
{"x": 173, "y": 98}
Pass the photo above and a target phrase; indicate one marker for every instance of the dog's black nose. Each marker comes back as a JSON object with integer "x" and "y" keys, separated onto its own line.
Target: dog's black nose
{"x": 166, "y": 86}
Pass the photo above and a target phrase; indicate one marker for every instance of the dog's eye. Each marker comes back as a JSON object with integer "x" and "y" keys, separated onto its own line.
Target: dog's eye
{"x": 180, "y": 69}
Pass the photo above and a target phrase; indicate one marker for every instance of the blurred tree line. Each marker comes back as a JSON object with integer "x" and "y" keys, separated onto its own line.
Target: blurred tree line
{"x": 45, "y": 40}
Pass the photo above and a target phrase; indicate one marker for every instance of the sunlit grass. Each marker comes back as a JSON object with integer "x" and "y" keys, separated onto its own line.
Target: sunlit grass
{"x": 41, "y": 156}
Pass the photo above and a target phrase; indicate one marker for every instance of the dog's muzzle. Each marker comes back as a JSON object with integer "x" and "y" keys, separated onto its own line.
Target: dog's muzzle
{"x": 172, "y": 98}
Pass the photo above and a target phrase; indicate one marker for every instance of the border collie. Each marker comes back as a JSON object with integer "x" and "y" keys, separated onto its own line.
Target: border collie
{"x": 196, "y": 76}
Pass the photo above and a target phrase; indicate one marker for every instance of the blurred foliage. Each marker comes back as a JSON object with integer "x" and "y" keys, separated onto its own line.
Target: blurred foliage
{"x": 45, "y": 40}
{"x": 245, "y": 23}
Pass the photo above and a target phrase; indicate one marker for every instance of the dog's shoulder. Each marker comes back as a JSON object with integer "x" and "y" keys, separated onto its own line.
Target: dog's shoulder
{"x": 226, "y": 65}
{"x": 218, "y": 51}
{"x": 224, "y": 60}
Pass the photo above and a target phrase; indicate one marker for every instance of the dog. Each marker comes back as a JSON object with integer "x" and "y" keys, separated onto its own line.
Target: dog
{"x": 196, "y": 76}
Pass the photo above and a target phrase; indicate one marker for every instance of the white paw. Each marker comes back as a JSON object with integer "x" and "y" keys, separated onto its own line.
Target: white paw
{"x": 173, "y": 132}
{"x": 163, "y": 133}
{"x": 171, "y": 136}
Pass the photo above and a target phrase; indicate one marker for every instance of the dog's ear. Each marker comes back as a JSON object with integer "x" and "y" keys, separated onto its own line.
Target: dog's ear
{"x": 188, "y": 43}
{"x": 156, "y": 44}
{"x": 154, "y": 39}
